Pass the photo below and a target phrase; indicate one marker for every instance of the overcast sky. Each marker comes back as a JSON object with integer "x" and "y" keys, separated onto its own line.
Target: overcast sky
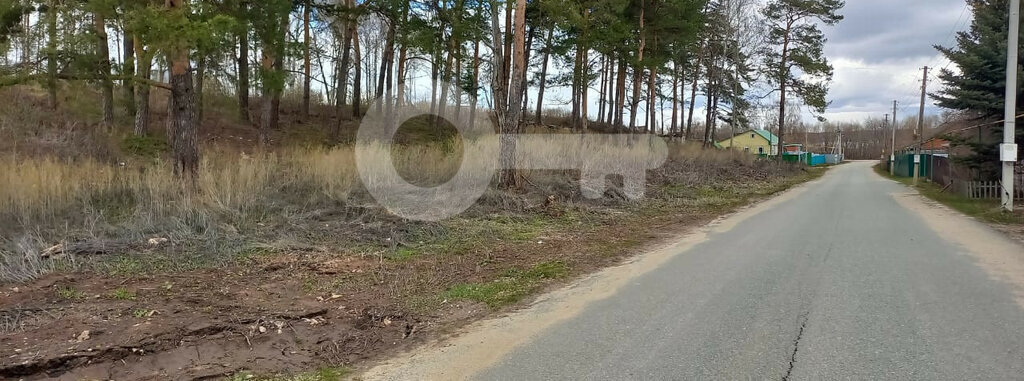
{"x": 878, "y": 52}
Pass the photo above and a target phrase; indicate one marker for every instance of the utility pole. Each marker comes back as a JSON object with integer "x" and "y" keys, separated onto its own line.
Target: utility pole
{"x": 1008, "y": 150}
{"x": 884, "y": 126}
{"x": 920, "y": 126}
{"x": 842, "y": 152}
{"x": 892, "y": 151}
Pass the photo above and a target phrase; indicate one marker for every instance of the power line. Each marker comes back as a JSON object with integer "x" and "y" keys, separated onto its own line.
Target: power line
{"x": 910, "y": 99}
{"x": 934, "y": 75}
{"x": 959, "y": 130}
{"x": 976, "y": 125}
{"x": 956, "y": 28}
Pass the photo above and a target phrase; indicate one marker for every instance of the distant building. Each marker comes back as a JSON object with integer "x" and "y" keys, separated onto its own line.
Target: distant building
{"x": 937, "y": 146}
{"x": 756, "y": 142}
{"x": 793, "y": 149}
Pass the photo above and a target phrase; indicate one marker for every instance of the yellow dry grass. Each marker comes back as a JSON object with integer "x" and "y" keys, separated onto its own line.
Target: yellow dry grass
{"x": 40, "y": 189}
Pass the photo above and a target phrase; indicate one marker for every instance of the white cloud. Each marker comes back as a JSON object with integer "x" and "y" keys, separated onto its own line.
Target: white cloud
{"x": 878, "y": 52}
{"x": 860, "y": 89}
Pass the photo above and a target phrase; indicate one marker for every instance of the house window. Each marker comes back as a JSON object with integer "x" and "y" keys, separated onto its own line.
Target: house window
{"x": 751, "y": 136}
{"x": 746, "y": 149}
{"x": 760, "y": 150}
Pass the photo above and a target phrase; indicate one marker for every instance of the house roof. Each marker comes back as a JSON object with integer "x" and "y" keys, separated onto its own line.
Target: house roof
{"x": 767, "y": 135}
{"x": 936, "y": 144}
{"x": 770, "y": 137}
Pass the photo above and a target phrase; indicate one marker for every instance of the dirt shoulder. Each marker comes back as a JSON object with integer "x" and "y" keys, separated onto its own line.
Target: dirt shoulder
{"x": 292, "y": 311}
{"x": 997, "y": 253}
{"x": 985, "y": 211}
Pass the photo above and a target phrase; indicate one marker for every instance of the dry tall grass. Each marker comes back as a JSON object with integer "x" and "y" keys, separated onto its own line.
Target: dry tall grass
{"x": 46, "y": 201}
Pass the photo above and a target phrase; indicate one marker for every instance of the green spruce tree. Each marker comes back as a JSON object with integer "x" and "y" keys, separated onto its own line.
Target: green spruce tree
{"x": 978, "y": 89}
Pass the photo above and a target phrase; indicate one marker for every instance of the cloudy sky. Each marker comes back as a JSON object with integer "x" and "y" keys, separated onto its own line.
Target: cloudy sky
{"x": 879, "y": 49}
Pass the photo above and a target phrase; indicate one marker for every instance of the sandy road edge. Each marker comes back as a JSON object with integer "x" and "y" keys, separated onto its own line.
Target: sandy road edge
{"x": 482, "y": 344}
{"x": 996, "y": 253}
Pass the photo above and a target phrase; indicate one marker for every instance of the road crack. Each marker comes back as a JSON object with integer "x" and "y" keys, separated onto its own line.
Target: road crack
{"x": 796, "y": 346}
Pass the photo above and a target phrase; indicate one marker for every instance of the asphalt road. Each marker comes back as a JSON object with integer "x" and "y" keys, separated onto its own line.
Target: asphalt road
{"x": 842, "y": 282}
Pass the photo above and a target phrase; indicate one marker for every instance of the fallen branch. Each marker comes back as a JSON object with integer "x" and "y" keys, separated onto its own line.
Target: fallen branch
{"x": 95, "y": 247}
{"x": 20, "y": 79}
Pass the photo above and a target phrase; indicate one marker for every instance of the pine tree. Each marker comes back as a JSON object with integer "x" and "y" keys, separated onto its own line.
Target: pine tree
{"x": 979, "y": 88}
{"x": 175, "y": 31}
{"x": 798, "y": 43}
{"x": 184, "y": 131}
{"x": 270, "y": 22}
{"x": 100, "y": 10}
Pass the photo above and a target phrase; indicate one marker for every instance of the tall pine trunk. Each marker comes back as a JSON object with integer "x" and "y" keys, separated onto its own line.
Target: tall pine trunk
{"x": 693, "y": 96}
{"x": 577, "y": 78}
{"x": 385, "y": 65}
{"x": 584, "y": 86}
{"x": 647, "y": 108}
{"x": 507, "y": 65}
{"x": 620, "y": 93}
{"x": 357, "y": 82}
{"x": 507, "y": 141}
{"x": 526, "y": 84}
{"x": 275, "y": 100}
{"x": 675, "y": 101}
{"x": 402, "y": 56}
{"x": 712, "y": 96}
{"x": 128, "y": 69}
{"x": 200, "y": 83}
{"x": 272, "y": 62}
{"x": 544, "y": 75}
{"x": 458, "y": 83}
{"x": 242, "y": 62}
{"x": 652, "y": 101}
{"x": 184, "y": 131}
{"x": 476, "y": 83}
{"x": 51, "y": 54}
{"x": 638, "y": 72}
{"x": 266, "y": 101}
{"x": 603, "y": 93}
{"x": 142, "y": 113}
{"x": 435, "y": 72}
{"x": 106, "y": 84}
{"x": 389, "y": 83}
{"x": 510, "y": 176}
{"x": 307, "y": 66}
{"x": 446, "y": 77}
{"x": 610, "y": 98}
{"x": 275, "y": 109}
{"x": 403, "y": 53}
{"x": 344, "y": 68}
{"x": 783, "y": 75}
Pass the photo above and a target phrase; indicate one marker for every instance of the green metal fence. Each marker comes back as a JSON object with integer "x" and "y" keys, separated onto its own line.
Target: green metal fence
{"x": 905, "y": 165}
{"x": 807, "y": 158}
